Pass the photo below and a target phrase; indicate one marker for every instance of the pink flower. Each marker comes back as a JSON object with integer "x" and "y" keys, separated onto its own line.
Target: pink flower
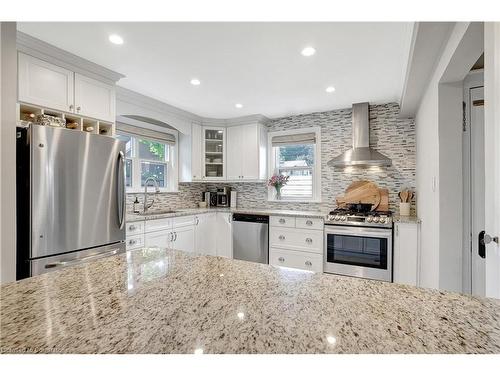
{"x": 278, "y": 180}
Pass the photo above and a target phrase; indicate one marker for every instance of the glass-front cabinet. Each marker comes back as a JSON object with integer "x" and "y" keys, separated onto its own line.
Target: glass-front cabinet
{"x": 214, "y": 153}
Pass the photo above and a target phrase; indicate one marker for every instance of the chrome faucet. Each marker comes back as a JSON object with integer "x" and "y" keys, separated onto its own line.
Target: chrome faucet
{"x": 157, "y": 190}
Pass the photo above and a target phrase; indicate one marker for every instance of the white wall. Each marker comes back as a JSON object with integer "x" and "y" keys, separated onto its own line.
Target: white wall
{"x": 8, "y": 97}
{"x": 439, "y": 160}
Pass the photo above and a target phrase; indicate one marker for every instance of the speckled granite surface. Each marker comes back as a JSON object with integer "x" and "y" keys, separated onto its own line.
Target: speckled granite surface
{"x": 194, "y": 211}
{"x": 163, "y": 301}
{"x": 406, "y": 219}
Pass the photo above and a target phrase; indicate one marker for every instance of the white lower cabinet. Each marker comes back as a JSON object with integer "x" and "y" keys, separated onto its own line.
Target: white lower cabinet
{"x": 406, "y": 253}
{"x": 293, "y": 246}
{"x": 184, "y": 238}
{"x": 161, "y": 238}
{"x": 296, "y": 259}
{"x": 224, "y": 235}
{"x": 205, "y": 240}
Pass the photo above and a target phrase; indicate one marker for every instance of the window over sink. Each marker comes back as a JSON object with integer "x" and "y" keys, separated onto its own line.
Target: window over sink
{"x": 297, "y": 154}
{"x": 148, "y": 157}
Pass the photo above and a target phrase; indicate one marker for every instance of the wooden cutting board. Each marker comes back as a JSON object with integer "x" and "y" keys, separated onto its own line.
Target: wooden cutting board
{"x": 361, "y": 192}
{"x": 384, "y": 200}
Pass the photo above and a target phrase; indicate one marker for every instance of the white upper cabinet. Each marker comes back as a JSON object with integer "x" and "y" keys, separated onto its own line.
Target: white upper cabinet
{"x": 45, "y": 84}
{"x": 94, "y": 98}
{"x": 196, "y": 135}
{"x": 51, "y": 86}
{"x": 214, "y": 153}
{"x": 246, "y": 152}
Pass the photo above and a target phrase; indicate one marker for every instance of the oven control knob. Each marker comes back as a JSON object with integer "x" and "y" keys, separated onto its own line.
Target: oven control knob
{"x": 343, "y": 218}
{"x": 369, "y": 219}
{"x": 375, "y": 219}
{"x": 337, "y": 217}
{"x": 383, "y": 220}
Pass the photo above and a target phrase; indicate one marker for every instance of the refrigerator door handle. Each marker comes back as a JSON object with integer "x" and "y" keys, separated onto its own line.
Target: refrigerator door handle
{"x": 121, "y": 189}
{"x": 77, "y": 261}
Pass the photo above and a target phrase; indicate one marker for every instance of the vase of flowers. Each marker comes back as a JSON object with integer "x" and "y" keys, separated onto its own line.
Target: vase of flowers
{"x": 278, "y": 181}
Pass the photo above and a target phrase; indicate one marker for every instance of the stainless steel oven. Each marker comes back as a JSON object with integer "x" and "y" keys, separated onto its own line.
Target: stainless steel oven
{"x": 358, "y": 251}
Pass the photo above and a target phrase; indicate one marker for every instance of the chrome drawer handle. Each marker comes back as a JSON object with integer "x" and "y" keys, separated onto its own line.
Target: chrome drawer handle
{"x": 309, "y": 240}
{"x": 309, "y": 222}
{"x": 308, "y": 264}
{"x": 132, "y": 227}
{"x": 282, "y": 221}
{"x": 281, "y": 237}
{"x": 132, "y": 242}
{"x": 281, "y": 259}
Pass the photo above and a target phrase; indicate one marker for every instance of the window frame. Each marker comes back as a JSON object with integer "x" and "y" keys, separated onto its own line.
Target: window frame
{"x": 170, "y": 165}
{"x": 316, "y": 168}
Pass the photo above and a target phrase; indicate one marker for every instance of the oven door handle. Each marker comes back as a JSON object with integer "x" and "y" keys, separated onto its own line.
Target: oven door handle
{"x": 359, "y": 232}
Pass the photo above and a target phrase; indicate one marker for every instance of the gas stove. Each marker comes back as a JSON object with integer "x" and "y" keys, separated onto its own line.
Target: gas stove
{"x": 379, "y": 219}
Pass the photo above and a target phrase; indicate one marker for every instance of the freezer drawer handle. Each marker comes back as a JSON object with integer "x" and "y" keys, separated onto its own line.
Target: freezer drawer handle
{"x": 76, "y": 261}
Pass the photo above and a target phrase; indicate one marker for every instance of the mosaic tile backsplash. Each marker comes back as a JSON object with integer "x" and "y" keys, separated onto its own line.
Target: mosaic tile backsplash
{"x": 394, "y": 137}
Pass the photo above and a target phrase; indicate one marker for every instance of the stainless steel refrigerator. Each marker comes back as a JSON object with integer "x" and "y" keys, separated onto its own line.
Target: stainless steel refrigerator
{"x": 70, "y": 198}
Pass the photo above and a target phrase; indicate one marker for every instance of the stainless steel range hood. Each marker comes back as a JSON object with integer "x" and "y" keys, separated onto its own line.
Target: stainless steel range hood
{"x": 360, "y": 154}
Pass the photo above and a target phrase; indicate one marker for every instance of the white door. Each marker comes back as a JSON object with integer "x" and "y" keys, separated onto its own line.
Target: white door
{"x": 45, "y": 84}
{"x": 196, "y": 152}
{"x": 235, "y": 151}
{"x": 206, "y": 234}
{"x": 492, "y": 155}
{"x": 224, "y": 235}
{"x": 94, "y": 98}
{"x": 184, "y": 239}
{"x": 159, "y": 239}
{"x": 405, "y": 253}
{"x": 478, "y": 264}
{"x": 250, "y": 152}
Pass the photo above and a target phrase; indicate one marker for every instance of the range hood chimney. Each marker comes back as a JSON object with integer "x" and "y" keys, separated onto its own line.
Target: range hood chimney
{"x": 360, "y": 154}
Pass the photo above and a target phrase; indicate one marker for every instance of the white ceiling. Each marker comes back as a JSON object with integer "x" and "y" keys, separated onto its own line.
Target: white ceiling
{"x": 256, "y": 64}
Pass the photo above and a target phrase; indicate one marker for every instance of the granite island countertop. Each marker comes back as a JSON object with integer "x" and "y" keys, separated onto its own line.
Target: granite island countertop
{"x": 164, "y": 301}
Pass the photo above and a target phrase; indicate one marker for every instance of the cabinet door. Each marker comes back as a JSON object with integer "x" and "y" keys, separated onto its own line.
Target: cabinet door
{"x": 94, "y": 98}
{"x": 196, "y": 145}
{"x": 45, "y": 84}
{"x": 235, "y": 152}
{"x": 206, "y": 234}
{"x": 159, "y": 239}
{"x": 224, "y": 241}
{"x": 406, "y": 253}
{"x": 214, "y": 153}
{"x": 184, "y": 239}
{"x": 250, "y": 152}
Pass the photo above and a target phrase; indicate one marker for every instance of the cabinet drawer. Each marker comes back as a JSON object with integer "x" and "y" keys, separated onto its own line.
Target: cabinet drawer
{"x": 282, "y": 221}
{"x": 296, "y": 259}
{"x": 297, "y": 239}
{"x": 183, "y": 221}
{"x": 136, "y": 227}
{"x": 159, "y": 224}
{"x": 135, "y": 242}
{"x": 309, "y": 223}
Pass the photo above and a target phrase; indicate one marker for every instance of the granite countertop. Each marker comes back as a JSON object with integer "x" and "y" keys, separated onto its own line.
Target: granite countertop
{"x": 406, "y": 219}
{"x": 196, "y": 211}
{"x": 164, "y": 301}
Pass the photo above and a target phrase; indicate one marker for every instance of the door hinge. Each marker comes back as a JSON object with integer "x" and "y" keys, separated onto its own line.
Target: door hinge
{"x": 464, "y": 119}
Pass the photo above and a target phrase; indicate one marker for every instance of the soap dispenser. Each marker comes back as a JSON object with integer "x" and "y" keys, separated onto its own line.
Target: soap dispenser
{"x": 136, "y": 205}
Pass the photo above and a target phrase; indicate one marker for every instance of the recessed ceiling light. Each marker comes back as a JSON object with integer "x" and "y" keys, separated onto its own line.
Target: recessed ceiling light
{"x": 238, "y": 105}
{"x": 330, "y": 89}
{"x": 308, "y": 51}
{"x": 195, "y": 82}
{"x": 115, "y": 39}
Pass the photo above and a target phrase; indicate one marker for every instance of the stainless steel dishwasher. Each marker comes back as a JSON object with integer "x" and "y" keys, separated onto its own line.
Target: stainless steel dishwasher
{"x": 251, "y": 238}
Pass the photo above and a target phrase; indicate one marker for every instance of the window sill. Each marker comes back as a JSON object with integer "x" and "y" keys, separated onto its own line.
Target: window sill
{"x": 294, "y": 201}
{"x": 150, "y": 191}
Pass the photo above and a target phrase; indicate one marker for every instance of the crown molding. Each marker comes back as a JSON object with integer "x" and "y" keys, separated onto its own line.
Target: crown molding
{"x": 57, "y": 56}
